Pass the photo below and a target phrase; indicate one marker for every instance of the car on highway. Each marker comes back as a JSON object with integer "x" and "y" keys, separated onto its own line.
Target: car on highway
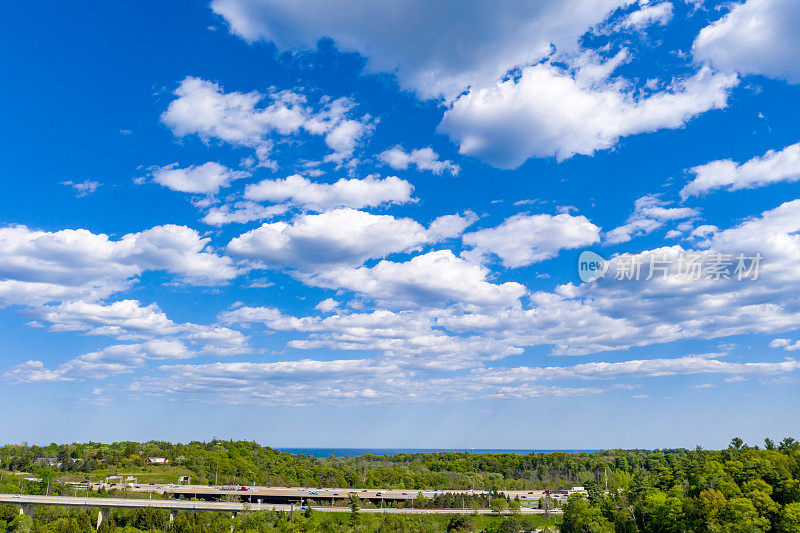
{"x": 313, "y": 492}
{"x": 365, "y": 490}
{"x": 243, "y": 488}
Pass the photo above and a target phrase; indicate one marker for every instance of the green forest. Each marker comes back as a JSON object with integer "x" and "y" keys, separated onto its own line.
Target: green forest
{"x": 742, "y": 488}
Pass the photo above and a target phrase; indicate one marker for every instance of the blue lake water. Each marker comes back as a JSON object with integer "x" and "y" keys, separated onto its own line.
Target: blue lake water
{"x": 355, "y": 452}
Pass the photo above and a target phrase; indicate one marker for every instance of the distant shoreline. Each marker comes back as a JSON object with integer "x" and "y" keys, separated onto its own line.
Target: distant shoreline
{"x": 356, "y": 452}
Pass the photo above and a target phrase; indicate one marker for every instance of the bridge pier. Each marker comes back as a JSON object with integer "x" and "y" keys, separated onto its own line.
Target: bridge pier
{"x": 172, "y": 514}
{"x": 27, "y": 509}
{"x": 103, "y": 514}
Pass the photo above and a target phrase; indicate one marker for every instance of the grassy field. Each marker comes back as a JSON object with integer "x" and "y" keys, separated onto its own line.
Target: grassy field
{"x": 157, "y": 475}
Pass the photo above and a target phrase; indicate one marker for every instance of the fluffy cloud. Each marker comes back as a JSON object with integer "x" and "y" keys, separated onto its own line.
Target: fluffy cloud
{"x": 690, "y": 364}
{"x": 605, "y": 315}
{"x": 434, "y": 278}
{"x": 481, "y": 44}
{"x": 83, "y": 188}
{"x": 756, "y": 37}
{"x": 39, "y": 266}
{"x": 422, "y": 158}
{"x": 344, "y": 137}
{"x": 786, "y": 344}
{"x": 102, "y": 364}
{"x": 447, "y": 226}
{"x": 242, "y": 212}
{"x": 125, "y": 317}
{"x": 349, "y": 381}
{"x": 355, "y": 193}
{"x": 202, "y": 179}
{"x": 452, "y": 312}
{"x": 248, "y": 119}
{"x": 522, "y": 240}
{"x": 410, "y": 336}
{"x": 450, "y": 315}
{"x": 618, "y": 313}
{"x": 338, "y": 382}
{"x": 545, "y": 111}
{"x": 550, "y": 111}
{"x": 648, "y": 15}
{"x": 772, "y": 167}
{"x": 650, "y": 213}
{"x": 341, "y": 236}
{"x": 327, "y": 305}
{"x": 128, "y": 320}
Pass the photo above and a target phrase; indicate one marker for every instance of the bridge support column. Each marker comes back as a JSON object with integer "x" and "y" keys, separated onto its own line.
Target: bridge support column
{"x": 27, "y": 509}
{"x": 172, "y": 514}
{"x": 103, "y": 514}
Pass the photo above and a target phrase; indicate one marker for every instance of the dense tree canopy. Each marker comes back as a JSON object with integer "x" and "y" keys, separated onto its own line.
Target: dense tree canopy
{"x": 739, "y": 489}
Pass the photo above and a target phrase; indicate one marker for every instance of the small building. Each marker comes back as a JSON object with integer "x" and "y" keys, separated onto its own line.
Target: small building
{"x": 155, "y": 461}
{"x": 52, "y": 461}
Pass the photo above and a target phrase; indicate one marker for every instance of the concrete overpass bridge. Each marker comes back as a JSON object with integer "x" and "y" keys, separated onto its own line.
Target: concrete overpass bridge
{"x": 28, "y": 502}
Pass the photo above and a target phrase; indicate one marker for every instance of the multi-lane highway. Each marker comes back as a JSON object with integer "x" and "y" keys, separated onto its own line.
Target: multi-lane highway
{"x": 27, "y": 502}
{"x": 257, "y": 494}
{"x": 128, "y": 503}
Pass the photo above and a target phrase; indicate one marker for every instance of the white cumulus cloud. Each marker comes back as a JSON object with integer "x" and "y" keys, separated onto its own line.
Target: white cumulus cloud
{"x": 248, "y": 119}
{"x": 355, "y": 193}
{"x": 406, "y": 37}
{"x": 648, "y": 15}
{"x": 422, "y": 158}
{"x": 341, "y": 236}
{"x": 522, "y": 240}
{"x": 41, "y": 266}
{"x": 772, "y": 167}
{"x": 208, "y": 178}
{"x": 650, "y": 213}
{"x": 550, "y": 111}
{"x": 755, "y": 37}
{"x": 434, "y": 278}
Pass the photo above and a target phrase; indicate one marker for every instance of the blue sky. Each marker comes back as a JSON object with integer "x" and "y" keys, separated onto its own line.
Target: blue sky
{"x": 359, "y": 225}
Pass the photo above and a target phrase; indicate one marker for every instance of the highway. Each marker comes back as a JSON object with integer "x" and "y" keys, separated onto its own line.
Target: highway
{"x": 28, "y": 501}
{"x": 289, "y": 494}
{"x": 129, "y": 503}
